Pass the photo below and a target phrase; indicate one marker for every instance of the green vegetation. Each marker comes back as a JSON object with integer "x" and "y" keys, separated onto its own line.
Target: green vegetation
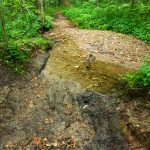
{"x": 21, "y": 25}
{"x": 16, "y": 53}
{"x": 119, "y": 17}
{"x": 141, "y": 77}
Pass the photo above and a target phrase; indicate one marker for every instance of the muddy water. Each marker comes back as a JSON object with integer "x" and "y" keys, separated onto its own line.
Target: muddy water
{"x": 69, "y": 62}
{"x": 84, "y": 90}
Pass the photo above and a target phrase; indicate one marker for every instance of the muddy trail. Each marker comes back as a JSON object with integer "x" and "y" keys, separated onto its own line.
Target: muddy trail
{"x": 67, "y": 107}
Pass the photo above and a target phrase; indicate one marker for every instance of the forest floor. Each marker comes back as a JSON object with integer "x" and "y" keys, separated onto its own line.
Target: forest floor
{"x": 68, "y": 107}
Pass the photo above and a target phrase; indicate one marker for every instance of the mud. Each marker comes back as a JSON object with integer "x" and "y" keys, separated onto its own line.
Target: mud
{"x": 100, "y": 111}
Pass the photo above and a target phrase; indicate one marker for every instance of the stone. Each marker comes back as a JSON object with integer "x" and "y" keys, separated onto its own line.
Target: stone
{"x": 68, "y": 111}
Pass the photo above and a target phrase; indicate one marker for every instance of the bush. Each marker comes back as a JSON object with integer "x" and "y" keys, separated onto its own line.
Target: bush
{"x": 34, "y": 43}
{"x": 27, "y": 26}
{"x": 23, "y": 38}
{"x": 47, "y": 23}
{"x": 139, "y": 78}
{"x": 16, "y": 53}
{"x": 13, "y": 57}
{"x": 23, "y": 26}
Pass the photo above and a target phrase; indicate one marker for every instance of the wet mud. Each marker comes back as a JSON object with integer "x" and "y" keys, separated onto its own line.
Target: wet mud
{"x": 100, "y": 111}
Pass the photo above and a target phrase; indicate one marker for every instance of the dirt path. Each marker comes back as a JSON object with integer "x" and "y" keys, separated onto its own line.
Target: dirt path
{"x": 62, "y": 109}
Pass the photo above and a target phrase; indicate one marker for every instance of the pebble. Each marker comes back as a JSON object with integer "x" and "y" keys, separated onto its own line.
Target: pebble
{"x": 68, "y": 111}
{"x": 54, "y": 144}
{"x": 48, "y": 145}
{"x": 45, "y": 139}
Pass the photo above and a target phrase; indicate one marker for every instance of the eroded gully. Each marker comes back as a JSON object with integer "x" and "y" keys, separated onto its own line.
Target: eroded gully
{"x": 67, "y": 107}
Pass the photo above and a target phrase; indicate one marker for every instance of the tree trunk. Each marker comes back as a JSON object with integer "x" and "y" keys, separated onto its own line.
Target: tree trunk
{"x": 59, "y": 2}
{"x": 3, "y": 25}
{"x": 41, "y": 9}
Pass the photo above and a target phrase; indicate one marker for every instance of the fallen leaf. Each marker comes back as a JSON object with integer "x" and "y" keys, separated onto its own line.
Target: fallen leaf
{"x": 37, "y": 141}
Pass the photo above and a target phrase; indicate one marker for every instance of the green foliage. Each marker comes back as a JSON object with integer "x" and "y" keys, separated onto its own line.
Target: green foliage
{"x": 16, "y": 53}
{"x": 47, "y": 22}
{"x": 119, "y": 18}
{"x": 22, "y": 22}
{"x": 26, "y": 26}
{"x": 13, "y": 57}
{"x": 52, "y": 10}
{"x": 139, "y": 78}
{"x": 34, "y": 43}
{"x": 23, "y": 26}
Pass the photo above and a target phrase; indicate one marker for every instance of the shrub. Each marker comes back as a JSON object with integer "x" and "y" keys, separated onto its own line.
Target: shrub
{"x": 47, "y": 23}
{"x": 16, "y": 53}
{"x": 139, "y": 78}
{"x": 23, "y": 26}
{"x": 13, "y": 57}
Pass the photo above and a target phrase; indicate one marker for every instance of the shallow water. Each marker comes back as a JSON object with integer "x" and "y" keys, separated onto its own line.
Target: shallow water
{"x": 69, "y": 62}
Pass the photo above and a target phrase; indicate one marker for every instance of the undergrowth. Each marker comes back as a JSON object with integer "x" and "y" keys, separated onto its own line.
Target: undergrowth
{"x": 119, "y": 18}
{"x": 24, "y": 26}
{"x": 140, "y": 77}
{"x": 23, "y": 37}
{"x": 15, "y": 54}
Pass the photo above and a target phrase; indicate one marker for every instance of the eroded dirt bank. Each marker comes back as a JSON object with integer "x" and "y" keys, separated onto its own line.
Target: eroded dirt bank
{"x": 62, "y": 108}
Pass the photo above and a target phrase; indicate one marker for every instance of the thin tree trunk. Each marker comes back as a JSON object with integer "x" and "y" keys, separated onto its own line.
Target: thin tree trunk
{"x": 3, "y": 25}
{"x": 41, "y": 8}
